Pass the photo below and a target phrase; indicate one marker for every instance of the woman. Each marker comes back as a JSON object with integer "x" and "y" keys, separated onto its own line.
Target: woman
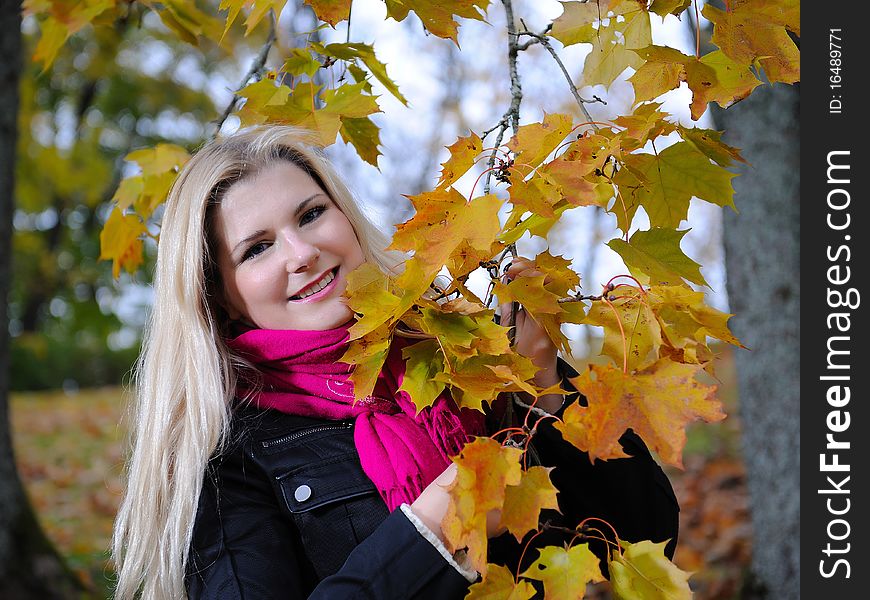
{"x": 253, "y": 474}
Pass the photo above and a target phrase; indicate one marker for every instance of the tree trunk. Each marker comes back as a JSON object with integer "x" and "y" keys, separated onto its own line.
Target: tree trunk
{"x": 29, "y": 565}
{"x": 762, "y": 262}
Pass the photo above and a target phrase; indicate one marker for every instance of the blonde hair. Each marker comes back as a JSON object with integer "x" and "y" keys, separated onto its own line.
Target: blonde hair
{"x": 185, "y": 377}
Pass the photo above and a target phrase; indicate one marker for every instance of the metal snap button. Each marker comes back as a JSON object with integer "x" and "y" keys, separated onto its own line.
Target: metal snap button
{"x": 302, "y": 493}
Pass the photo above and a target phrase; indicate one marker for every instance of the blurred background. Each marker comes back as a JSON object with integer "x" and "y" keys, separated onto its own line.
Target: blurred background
{"x": 74, "y": 330}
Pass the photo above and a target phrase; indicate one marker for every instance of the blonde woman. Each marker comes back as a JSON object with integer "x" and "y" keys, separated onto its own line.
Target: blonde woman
{"x": 252, "y": 473}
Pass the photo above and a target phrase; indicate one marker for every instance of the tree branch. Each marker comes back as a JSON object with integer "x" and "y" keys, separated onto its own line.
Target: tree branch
{"x": 255, "y": 71}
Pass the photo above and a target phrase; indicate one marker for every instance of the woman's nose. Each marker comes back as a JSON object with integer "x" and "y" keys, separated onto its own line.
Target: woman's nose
{"x": 301, "y": 255}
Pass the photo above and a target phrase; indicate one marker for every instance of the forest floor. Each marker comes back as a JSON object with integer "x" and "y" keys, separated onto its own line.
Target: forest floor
{"x": 69, "y": 450}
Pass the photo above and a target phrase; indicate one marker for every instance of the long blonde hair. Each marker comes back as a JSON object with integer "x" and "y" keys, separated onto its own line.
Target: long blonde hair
{"x": 185, "y": 377}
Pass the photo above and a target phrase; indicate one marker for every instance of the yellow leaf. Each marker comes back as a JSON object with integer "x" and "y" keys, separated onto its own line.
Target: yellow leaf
{"x": 331, "y": 11}
{"x": 534, "y": 142}
{"x": 128, "y": 192}
{"x": 367, "y": 353}
{"x": 639, "y": 335}
{"x": 366, "y": 53}
{"x": 613, "y": 45}
{"x": 643, "y": 572}
{"x": 575, "y": 24}
{"x": 159, "y": 159}
{"x": 565, "y": 573}
{"x": 499, "y": 584}
{"x": 120, "y": 242}
{"x": 747, "y": 34}
{"x": 462, "y": 154}
{"x": 709, "y": 142}
{"x": 485, "y": 468}
{"x": 523, "y": 502}
{"x": 437, "y": 15}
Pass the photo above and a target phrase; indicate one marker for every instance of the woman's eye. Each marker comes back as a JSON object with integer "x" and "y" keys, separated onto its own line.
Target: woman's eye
{"x": 312, "y": 214}
{"x": 254, "y": 250}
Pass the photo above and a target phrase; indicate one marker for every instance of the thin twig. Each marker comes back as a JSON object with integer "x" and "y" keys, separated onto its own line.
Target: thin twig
{"x": 255, "y": 70}
{"x": 581, "y": 101}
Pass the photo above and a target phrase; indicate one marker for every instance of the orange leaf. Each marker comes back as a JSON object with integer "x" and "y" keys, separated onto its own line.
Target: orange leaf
{"x": 462, "y": 154}
{"x": 657, "y": 403}
{"x": 523, "y": 503}
{"x": 485, "y": 468}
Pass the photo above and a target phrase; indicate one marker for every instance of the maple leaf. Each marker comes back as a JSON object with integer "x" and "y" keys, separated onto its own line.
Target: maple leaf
{"x": 684, "y": 315}
{"x": 370, "y": 294}
{"x": 368, "y": 354}
{"x": 612, "y": 49}
{"x": 570, "y": 179}
{"x": 713, "y": 78}
{"x": 656, "y": 253}
{"x": 423, "y": 361}
{"x": 462, "y": 154}
{"x": 746, "y": 33}
{"x": 437, "y": 15}
{"x": 710, "y": 143}
{"x": 664, "y": 8}
{"x": 523, "y": 502}
{"x": 565, "y": 573}
{"x": 482, "y": 378}
{"x": 366, "y": 53}
{"x": 657, "y": 402}
{"x": 159, "y": 159}
{"x": 301, "y": 62}
{"x": 643, "y": 572}
{"x": 575, "y": 24}
{"x": 499, "y": 584}
{"x": 445, "y": 222}
{"x": 631, "y": 330}
{"x": 675, "y": 175}
{"x": 534, "y": 142}
{"x": 646, "y": 123}
{"x": 331, "y": 11}
{"x": 259, "y": 9}
{"x": 120, "y": 242}
{"x": 538, "y": 195}
{"x": 62, "y": 20}
{"x": 364, "y": 135}
{"x": 266, "y": 101}
{"x": 485, "y": 468}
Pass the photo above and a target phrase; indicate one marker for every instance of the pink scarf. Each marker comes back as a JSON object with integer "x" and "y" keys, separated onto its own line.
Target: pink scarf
{"x": 400, "y": 451}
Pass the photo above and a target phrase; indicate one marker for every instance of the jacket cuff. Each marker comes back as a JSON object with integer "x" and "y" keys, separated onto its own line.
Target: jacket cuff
{"x": 458, "y": 561}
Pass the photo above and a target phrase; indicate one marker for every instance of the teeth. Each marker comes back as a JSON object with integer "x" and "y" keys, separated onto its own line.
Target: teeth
{"x": 316, "y": 287}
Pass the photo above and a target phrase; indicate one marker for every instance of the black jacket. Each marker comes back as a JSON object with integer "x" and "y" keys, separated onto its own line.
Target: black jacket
{"x": 287, "y": 512}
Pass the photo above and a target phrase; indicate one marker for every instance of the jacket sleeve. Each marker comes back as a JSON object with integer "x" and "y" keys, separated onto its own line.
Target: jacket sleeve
{"x": 244, "y": 548}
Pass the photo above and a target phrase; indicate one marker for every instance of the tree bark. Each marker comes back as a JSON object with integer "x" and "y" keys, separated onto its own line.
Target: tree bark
{"x": 762, "y": 262}
{"x": 29, "y": 565}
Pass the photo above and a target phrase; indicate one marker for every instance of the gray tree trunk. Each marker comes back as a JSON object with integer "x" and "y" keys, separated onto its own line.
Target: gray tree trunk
{"x": 29, "y": 565}
{"x": 762, "y": 263}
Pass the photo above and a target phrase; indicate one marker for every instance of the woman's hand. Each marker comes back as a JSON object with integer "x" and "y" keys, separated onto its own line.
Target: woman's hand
{"x": 530, "y": 339}
{"x": 432, "y": 504}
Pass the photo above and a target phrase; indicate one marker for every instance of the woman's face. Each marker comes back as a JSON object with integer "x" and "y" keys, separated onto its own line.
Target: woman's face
{"x": 284, "y": 251}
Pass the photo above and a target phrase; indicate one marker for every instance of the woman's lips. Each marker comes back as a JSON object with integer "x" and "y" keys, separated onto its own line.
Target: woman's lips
{"x": 322, "y": 293}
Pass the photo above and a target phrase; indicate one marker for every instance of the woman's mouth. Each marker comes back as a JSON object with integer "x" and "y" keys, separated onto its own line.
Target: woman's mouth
{"x": 318, "y": 289}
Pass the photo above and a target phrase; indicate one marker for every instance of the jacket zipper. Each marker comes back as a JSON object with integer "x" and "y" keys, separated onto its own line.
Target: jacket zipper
{"x": 298, "y": 434}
